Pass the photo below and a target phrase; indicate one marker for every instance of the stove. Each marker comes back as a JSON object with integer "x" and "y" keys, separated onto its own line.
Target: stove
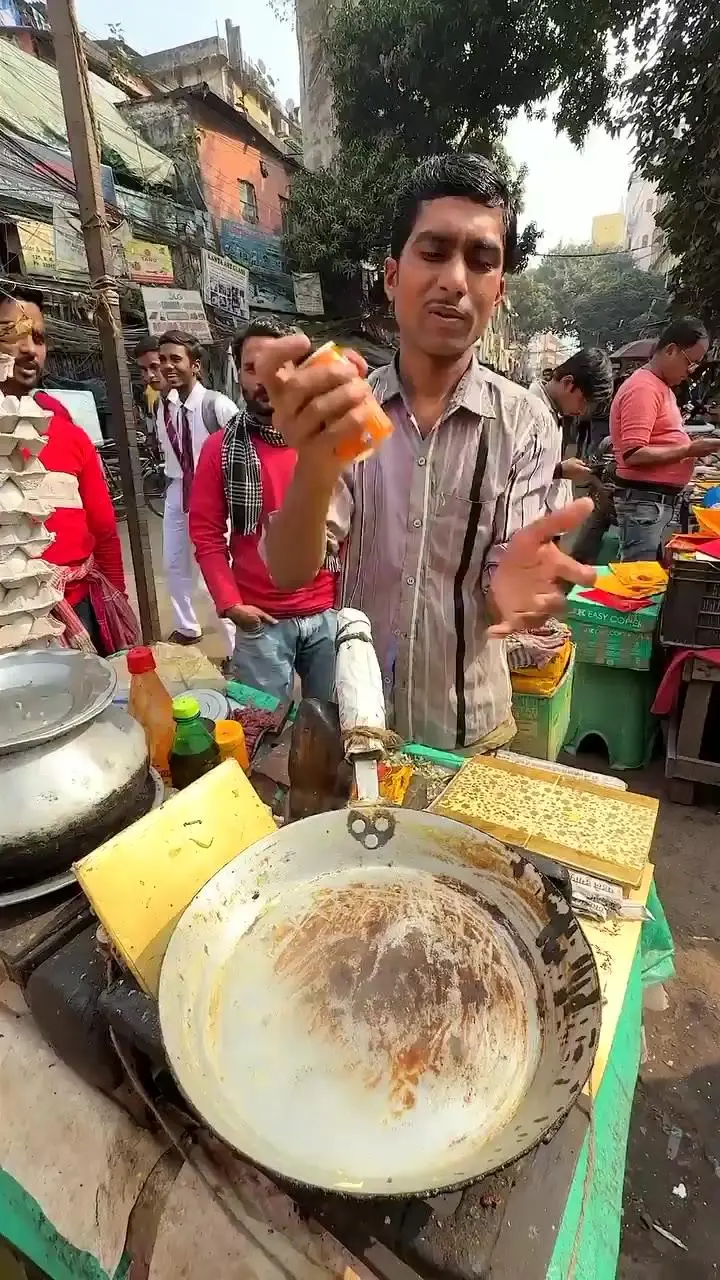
{"x": 500, "y": 1228}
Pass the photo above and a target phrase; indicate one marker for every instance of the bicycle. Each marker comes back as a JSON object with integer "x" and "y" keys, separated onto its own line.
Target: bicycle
{"x": 152, "y": 471}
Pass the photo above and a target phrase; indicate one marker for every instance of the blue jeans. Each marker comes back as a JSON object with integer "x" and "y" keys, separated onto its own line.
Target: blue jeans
{"x": 643, "y": 515}
{"x": 268, "y": 658}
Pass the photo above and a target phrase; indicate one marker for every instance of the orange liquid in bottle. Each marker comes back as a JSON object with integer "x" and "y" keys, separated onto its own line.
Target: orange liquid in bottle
{"x": 376, "y": 427}
{"x": 151, "y": 705}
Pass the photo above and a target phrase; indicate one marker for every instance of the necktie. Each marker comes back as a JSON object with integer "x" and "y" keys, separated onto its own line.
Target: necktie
{"x": 182, "y": 448}
{"x": 187, "y": 461}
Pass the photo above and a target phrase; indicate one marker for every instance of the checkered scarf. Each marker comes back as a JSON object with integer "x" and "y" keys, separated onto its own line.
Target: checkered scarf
{"x": 242, "y": 475}
{"x": 117, "y": 623}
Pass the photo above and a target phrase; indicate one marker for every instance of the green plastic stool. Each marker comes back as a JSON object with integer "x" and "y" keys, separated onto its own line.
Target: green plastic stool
{"x": 609, "y": 552}
{"x": 613, "y": 703}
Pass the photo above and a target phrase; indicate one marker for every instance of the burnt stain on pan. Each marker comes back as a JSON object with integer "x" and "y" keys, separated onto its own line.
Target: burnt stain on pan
{"x": 425, "y": 973}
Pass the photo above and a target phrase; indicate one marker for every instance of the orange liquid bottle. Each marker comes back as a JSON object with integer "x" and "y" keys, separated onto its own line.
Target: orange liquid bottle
{"x": 151, "y": 705}
{"x": 376, "y": 427}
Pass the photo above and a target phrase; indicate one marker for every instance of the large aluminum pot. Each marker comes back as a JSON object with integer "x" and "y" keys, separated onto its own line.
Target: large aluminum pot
{"x": 380, "y": 1002}
{"x": 62, "y": 798}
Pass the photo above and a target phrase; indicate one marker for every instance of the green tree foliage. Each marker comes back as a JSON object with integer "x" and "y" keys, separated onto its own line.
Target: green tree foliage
{"x": 414, "y": 77}
{"x": 674, "y": 107}
{"x": 604, "y": 298}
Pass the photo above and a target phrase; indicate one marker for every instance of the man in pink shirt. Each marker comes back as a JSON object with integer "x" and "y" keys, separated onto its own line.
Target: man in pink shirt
{"x": 654, "y": 455}
{"x": 242, "y": 475}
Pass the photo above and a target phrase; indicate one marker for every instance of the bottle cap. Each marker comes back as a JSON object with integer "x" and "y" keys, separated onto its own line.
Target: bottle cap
{"x": 140, "y": 660}
{"x": 185, "y": 707}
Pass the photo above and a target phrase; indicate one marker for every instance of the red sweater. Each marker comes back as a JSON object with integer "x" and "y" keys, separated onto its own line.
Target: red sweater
{"x": 92, "y": 528}
{"x": 247, "y": 581}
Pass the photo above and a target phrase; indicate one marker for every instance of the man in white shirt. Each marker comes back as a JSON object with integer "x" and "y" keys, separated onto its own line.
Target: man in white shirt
{"x": 186, "y": 416}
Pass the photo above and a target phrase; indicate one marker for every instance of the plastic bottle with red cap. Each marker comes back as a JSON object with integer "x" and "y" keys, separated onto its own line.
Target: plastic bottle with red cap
{"x": 151, "y": 705}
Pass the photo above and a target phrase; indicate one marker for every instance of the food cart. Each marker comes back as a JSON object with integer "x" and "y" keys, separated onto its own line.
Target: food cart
{"x": 107, "y": 1169}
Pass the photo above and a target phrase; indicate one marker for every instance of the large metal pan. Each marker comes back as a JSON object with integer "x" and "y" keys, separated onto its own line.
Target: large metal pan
{"x": 379, "y": 1002}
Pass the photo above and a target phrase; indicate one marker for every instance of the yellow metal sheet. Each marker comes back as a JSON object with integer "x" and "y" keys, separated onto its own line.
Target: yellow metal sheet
{"x": 593, "y": 828}
{"x": 141, "y": 880}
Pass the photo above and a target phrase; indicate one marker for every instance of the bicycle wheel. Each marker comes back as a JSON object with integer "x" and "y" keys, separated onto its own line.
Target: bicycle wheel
{"x": 154, "y": 486}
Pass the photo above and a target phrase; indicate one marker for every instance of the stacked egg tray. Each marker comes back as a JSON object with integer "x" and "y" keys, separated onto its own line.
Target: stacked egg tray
{"x": 26, "y": 592}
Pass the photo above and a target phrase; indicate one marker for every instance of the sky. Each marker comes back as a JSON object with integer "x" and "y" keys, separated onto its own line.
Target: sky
{"x": 565, "y": 187}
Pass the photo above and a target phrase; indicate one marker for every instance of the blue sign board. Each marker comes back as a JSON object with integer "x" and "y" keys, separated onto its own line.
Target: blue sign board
{"x": 271, "y": 288}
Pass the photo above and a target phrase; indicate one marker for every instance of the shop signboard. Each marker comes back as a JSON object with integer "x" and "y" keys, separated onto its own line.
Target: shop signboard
{"x": 176, "y": 309}
{"x": 225, "y": 286}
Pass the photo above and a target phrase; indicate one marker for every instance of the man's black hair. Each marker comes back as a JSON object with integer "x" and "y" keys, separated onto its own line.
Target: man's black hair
{"x": 591, "y": 372}
{"x": 146, "y": 346}
{"x": 684, "y": 332}
{"x": 263, "y": 327}
{"x": 22, "y": 293}
{"x": 178, "y": 338}
{"x": 470, "y": 176}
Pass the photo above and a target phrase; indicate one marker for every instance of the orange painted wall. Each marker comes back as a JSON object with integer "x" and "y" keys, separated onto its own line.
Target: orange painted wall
{"x": 225, "y": 159}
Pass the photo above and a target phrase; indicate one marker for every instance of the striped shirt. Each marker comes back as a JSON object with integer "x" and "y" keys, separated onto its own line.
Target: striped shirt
{"x": 425, "y": 521}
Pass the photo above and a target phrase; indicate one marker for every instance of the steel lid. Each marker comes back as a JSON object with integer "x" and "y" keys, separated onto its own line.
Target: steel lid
{"x": 45, "y": 693}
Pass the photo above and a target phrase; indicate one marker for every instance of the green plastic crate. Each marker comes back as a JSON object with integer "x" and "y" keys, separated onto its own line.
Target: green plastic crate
{"x": 542, "y": 720}
{"x": 610, "y": 638}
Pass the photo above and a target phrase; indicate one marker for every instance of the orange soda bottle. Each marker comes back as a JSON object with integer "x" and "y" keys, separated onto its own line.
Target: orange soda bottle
{"x": 376, "y": 427}
{"x": 151, "y": 705}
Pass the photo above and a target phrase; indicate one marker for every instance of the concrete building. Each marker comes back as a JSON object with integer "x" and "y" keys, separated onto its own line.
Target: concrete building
{"x": 316, "y": 93}
{"x": 608, "y": 231}
{"x": 234, "y": 170}
{"x": 643, "y": 237}
{"x": 219, "y": 63}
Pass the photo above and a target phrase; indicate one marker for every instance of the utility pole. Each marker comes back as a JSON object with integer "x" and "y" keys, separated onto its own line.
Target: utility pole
{"x": 85, "y": 152}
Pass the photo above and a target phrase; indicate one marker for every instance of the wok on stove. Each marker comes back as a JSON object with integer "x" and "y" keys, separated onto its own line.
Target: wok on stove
{"x": 380, "y": 1002}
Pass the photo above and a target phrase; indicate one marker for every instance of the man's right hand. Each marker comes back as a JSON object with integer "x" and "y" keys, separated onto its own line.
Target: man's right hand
{"x": 704, "y": 447}
{"x": 248, "y": 618}
{"x": 315, "y": 407}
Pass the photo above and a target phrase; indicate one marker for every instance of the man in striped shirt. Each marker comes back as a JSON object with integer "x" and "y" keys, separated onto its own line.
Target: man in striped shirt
{"x": 426, "y": 521}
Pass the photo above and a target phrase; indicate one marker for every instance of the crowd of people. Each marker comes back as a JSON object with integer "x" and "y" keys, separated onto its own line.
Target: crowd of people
{"x": 450, "y": 537}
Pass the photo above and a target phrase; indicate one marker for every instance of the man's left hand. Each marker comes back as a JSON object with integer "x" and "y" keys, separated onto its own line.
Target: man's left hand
{"x": 525, "y": 589}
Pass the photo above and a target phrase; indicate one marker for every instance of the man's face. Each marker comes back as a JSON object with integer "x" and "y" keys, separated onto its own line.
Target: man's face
{"x": 678, "y": 363}
{"x": 256, "y": 397}
{"x": 177, "y": 365}
{"x": 151, "y": 371}
{"x": 25, "y": 325}
{"x": 449, "y": 277}
{"x": 570, "y": 400}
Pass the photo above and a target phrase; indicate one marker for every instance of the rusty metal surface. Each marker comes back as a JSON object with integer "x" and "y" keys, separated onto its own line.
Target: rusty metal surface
{"x": 380, "y": 1002}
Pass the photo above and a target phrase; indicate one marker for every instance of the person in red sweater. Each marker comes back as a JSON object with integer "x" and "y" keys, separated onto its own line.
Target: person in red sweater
{"x": 86, "y": 546}
{"x": 242, "y": 475}
{"x": 654, "y": 454}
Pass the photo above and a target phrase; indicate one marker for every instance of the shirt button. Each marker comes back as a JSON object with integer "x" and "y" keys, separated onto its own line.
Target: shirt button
{"x": 417, "y": 524}
{"x": 410, "y": 582}
{"x": 421, "y": 462}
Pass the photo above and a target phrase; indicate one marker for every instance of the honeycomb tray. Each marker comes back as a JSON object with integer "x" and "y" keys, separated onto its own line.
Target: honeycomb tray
{"x": 590, "y": 827}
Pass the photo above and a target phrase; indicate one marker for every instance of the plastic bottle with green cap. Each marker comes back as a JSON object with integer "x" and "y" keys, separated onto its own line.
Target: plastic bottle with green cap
{"x": 194, "y": 751}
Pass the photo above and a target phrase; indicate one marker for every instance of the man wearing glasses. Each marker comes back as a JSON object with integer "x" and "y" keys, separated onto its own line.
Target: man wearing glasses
{"x": 654, "y": 455}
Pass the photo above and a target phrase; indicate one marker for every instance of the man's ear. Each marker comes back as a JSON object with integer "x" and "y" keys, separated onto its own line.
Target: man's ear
{"x": 390, "y": 278}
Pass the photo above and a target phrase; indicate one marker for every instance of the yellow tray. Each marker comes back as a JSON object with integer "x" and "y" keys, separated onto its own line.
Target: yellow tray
{"x": 141, "y": 880}
{"x": 591, "y": 827}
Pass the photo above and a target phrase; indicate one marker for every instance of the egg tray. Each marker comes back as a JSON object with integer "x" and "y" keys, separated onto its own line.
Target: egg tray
{"x": 589, "y": 827}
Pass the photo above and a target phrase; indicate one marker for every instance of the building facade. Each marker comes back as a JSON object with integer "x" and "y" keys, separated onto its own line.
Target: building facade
{"x": 643, "y": 237}
{"x": 220, "y": 64}
{"x": 608, "y": 231}
{"x": 236, "y": 173}
{"x": 316, "y": 93}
